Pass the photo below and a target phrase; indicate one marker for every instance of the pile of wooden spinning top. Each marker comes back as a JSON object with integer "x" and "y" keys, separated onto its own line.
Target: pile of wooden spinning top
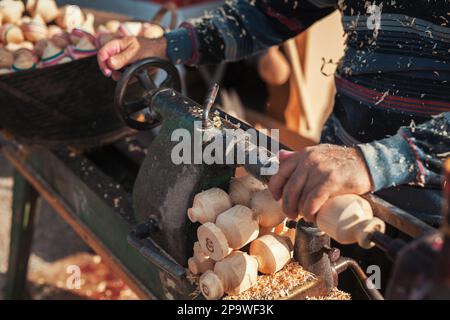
{"x": 242, "y": 233}
{"x": 40, "y": 34}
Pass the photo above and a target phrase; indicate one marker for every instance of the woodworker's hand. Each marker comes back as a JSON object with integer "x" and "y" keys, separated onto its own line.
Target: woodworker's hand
{"x": 119, "y": 53}
{"x": 308, "y": 178}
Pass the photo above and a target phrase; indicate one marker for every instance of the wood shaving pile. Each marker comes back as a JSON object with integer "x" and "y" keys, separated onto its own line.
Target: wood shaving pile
{"x": 280, "y": 285}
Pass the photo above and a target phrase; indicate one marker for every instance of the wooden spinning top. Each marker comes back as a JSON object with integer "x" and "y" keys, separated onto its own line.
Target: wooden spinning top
{"x": 70, "y": 17}
{"x": 35, "y": 30}
{"x": 233, "y": 229}
{"x": 84, "y": 48}
{"x": 88, "y": 24}
{"x": 16, "y": 46}
{"x": 46, "y": 8}
{"x": 101, "y": 29}
{"x": 130, "y": 28}
{"x": 52, "y": 55}
{"x": 349, "y": 219}
{"x": 24, "y": 59}
{"x": 6, "y": 59}
{"x": 152, "y": 30}
{"x": 10, "y": 33}
{"x": 208, "y": 205}
{"x": 54, "y": 30}
{"x": 267, "y": 211}
{"x": 242, "y": 188}
{"x": 11, "y": 10}
{"x": 112, "y": 26}
{"x": 61, "y": 40}
{"x": 233, "y": 275}
{"x": 272, "y": 252}
{"x": 199, "y": 263}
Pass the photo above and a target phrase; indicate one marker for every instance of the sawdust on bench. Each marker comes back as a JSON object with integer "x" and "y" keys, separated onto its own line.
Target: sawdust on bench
{"x": 279, "y": 285}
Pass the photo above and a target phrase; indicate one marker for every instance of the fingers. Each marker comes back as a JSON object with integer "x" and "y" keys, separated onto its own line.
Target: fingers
{"x": 278, "y": 181}
{"x": 310, "y": 204}
{"x": 117, "y": 53}
{"x": 292, "y": 191}
{"x": 116, "y": 75}
{"x": 284, "y": 154}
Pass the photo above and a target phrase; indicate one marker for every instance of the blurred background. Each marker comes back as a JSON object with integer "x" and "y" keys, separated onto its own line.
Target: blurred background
{"x": 251, "y": 95}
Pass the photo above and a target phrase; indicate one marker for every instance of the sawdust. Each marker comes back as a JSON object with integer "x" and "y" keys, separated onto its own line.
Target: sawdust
{"x": 281, "y": 284}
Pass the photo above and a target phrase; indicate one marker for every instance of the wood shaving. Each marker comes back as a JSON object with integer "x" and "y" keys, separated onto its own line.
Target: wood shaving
{"x": 279, "y": 285}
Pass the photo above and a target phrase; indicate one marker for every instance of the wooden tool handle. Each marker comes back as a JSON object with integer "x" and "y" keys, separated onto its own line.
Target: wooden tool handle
{"x": 349, "y": 219}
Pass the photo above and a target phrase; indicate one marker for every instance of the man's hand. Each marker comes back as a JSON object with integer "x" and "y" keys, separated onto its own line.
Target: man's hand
{"x": 119, "y": 53}
{"x": 307, "y": 179}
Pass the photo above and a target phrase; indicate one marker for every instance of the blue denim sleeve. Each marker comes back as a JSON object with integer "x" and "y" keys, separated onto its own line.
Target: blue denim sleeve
{"x": 240, "y": 28}
{"x": 414, "y": 155}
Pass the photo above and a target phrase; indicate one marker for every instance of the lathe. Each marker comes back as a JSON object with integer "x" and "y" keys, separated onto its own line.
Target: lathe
{"x": 129, "y": 200}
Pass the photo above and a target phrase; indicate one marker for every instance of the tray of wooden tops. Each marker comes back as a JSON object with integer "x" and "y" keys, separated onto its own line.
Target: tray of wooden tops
{"x": 244, "y": 249}
{"x": 51, "y": 89}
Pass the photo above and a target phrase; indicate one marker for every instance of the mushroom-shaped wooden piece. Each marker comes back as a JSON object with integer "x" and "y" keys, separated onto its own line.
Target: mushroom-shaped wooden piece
{"x": 233, "y": 229}
{"x": 70, "y": 17}
{"x": 199, "y": 263}
{"x": 84, "y": 48}
{"x": 46, "y": 8}
{"x": 242, "y": 189}
{"x": 152, "y": 30}
{"x": 53, "y": 55}
{"x": 10, "y": 33}
{"x": 207, "y": 205}
{"x": 6, "y": 59}
{"x": 11, "y": 10}
{"x": 268, "y": 212}
{"x": 35, "y": 30}
{"x": 130, "y": 28}
{"x": 272, "y": 252}
{"x": 13, "y": 47}
{"x": 112, "y": 25}
{"x": 349, "y": 219}
{"x": 24, "y": 59}
{"x": 233, "y": 275}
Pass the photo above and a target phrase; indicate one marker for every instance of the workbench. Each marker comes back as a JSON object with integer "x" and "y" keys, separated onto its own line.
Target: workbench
{"x": 95, "y": 204}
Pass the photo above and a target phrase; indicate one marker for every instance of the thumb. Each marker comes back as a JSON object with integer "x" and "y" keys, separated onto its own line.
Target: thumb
{"x": 284, "y": 154}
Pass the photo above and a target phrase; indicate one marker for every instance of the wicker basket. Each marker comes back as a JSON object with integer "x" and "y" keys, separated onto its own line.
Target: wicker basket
{"x": 67, "y": 104}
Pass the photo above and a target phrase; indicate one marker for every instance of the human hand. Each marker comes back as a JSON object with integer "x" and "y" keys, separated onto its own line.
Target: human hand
{"x": 308, "y": 178}
{"x": 118, "y": 53}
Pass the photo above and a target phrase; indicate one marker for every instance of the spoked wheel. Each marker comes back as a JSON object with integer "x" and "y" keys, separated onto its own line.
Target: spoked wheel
{"x": 136, "y": 87}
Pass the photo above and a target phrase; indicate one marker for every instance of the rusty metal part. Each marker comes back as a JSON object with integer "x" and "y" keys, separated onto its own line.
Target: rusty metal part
{"x": 209, "y": 102}
{"x": 311, "y": 251}
{"x": 314, "y": 288}
{"x": 137, "y": 238}
{"x": 346, "y": 263}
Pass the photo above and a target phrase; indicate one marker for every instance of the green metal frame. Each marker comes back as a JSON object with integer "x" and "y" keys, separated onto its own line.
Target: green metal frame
{"x": 24, "y": 209}
{"x": 75, "y": 189}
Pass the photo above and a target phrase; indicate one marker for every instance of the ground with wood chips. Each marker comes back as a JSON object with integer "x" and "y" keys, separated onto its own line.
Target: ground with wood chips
{"x": 55, "y": 248}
